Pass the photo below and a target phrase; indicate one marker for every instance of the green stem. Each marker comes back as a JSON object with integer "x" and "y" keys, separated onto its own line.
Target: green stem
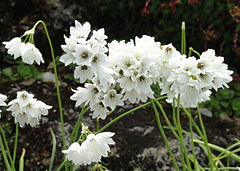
{"x": 6, "y": 145}
{"x": 220, "y": 149}
{"x": 77, "y": 126}
{"x": 15, "y": 146}
{"x": 163, "y": 135}
{"x": 183, "y": 38}
{"x": 4, "y": 155}
{"x": 21, "y": 162}
{"x": 54, "y": 143}
{"x": 192, "y": 145}
{"x": 205, "y": 139}
{"x": 127, "y": 113}
{"x": 192, "y": 50}
{"x": 167, "y": 120}
{"x": 225, "y": 168}
{"x": 229, "y": 148}
{"x": 56, "y": 79}
{"x": 62, "y": 165}
{"x": 226, "y": 155}
{"x": 181, "y": 139}
{"x": 203, "y": 136}
{"x": 194, "y": 123}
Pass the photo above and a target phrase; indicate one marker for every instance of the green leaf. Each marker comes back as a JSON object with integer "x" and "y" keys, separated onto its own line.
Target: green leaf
{"x": 8, "y": 72}
{"x": 24, "y": 71}
{"x": 28, "y": 71}
{"x": 237, "y": 87}
{"x": 215, "y": 103}
{"x": 225, "y": 93}
{"x": 224, "y": 104}
{"x": 236, "y": 104}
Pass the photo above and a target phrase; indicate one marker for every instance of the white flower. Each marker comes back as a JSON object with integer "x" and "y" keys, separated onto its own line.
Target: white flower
{"x": 80, "y": 31}
{"x": 112, "y": 99}
{"x": 73, "y": 153}
{"x": 27, "y": 110}
{"x": 91, "y": 150}
{"x": 99, "y": 110}
{"x": 13, "y": 47}
{"x": 83, "y": 73}
{"x": 2, "y": 101}
{"x": 80, "y": 95}
{"x": 30, "y": 53}
{"x": 100, "y": 36}
{"x": 99, "y": 59}
{"x": 88, "y": 94}
{"x": 23, "y": 98}
{"x": 69, "y": 48}
{"x": 83, "y": 55}
{"x": 209, "y": 63}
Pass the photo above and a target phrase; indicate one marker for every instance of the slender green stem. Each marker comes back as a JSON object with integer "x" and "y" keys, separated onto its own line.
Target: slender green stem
{"x": 192, "y": 145}
{"x": 225, "y": 168}
{"x": 21, "y": 161}
{"x": 220, "y": 149}
{"x": 127, "y": 113}
{"x": 62, "y": 165}
{"x": 56, "y": 79}
{"x": 167, "y": 120}
{"x": 194, "y": 123}
{"x": 15, "y": 146}
{"x": 205, "y": 139}
{"x": 6, "y": 145}
{"x": 56, "y": 83}
{"x": 77, "y": 126}
{"x": 194, "y": 51}
{"x": 183, "y": 39}
{"x": 181, "y": 139}
{"x": 163, "y": 135}
{"x": 54, "y": 143}
{"x": 196, "y": 127}
{"x": 177, "y": 128}
{"x": 4, "y": 155}
{"x": 226, "y": 155}
{"x": 189, "y": 52}
{"x": 229, "y": 148}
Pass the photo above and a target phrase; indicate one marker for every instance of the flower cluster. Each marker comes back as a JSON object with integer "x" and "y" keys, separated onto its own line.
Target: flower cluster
{"x": 87, "y": 53}
{"x": 192, "y": 79}
{"x": 2, "y": 101}
{"x": 91, "y": 150}
{"x": 27, "y": 51}
{"x": 98, "y": 99}
{"x": 135, "y": 65}
{"x": 26, "y": 109}
{"x": 126, "y": 71}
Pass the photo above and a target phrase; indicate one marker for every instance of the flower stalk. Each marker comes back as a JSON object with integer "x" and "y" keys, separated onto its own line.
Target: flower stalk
{"x": 56, "y": 79}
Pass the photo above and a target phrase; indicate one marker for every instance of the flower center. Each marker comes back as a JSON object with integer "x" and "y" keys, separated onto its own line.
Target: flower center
{"x": 84, "y": 67}
{"x": 85, "y": 55}
{"x": 200, "y": 65}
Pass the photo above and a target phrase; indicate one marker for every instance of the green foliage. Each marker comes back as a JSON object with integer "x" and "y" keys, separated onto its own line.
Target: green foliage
{"x": 208, "y": 23}
{"x": 19, "y": 72}
{"x": 225, "y": 101}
